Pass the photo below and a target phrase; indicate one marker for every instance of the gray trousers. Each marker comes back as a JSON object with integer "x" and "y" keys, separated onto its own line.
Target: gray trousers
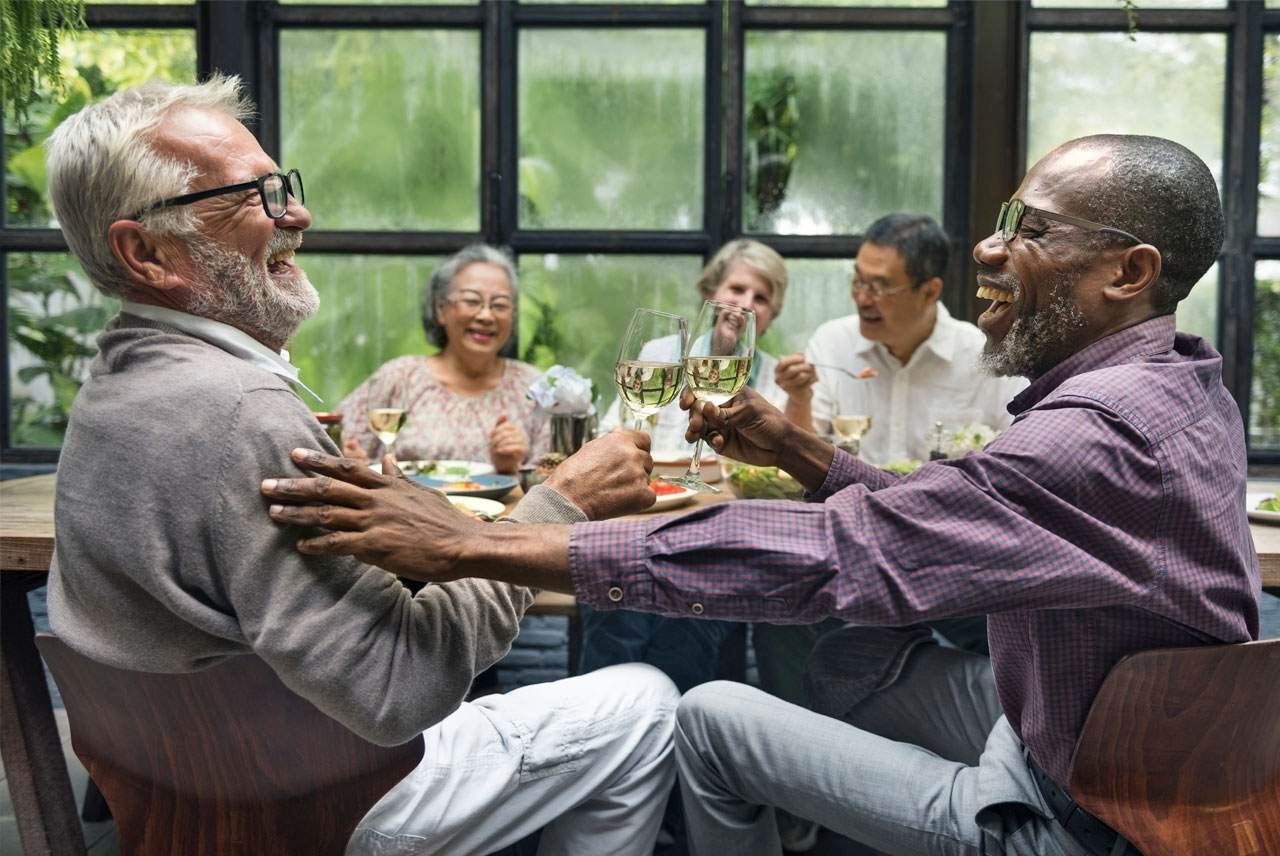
{"x": 950, "y": 777}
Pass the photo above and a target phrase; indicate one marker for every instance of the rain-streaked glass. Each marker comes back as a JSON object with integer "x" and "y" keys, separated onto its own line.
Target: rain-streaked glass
{"x": 1269, "y": 143}
{"x": 387, "y": 123}
{"x": 55, "y": 316}
{"x": 1141, "y": 7}
{"x": 1198, "y": 312}
{"x": 1264, "y": 391}
{"x": 878, "y": 4}
{"x": 370, "y": 312}
{"x": 817, "y": 292}
{"x": 1163, "y": 84}
{"x": 611, "y": 128}
{"x": 841, "y": 128}
{"x": 574, "y": 309}
{"x": 94, "y": 64}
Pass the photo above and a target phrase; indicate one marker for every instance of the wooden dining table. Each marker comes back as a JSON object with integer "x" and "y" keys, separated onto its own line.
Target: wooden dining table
{"x": 39, "y": 785}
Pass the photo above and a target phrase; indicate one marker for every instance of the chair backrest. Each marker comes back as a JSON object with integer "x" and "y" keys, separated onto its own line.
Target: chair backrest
{"x": 223, "y": 761}
{"x": 1181, "y": 750}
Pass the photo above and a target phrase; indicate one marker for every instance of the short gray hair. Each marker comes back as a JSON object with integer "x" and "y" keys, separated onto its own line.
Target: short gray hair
{"x": 102, "y": 167}
{"x": 442, "y": 279}
{"x": 761, "y": 258}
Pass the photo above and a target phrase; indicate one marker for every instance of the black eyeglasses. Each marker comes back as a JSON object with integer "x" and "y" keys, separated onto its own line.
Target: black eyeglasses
{"x": 1011, "y": 213}
{"x": 274, "y": 188}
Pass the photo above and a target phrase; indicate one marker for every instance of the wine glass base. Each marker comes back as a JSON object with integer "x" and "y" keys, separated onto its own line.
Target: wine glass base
{"x": 691, "y": 481}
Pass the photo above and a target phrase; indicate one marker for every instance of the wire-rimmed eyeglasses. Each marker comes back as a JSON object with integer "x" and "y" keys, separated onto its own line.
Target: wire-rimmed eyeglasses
{"x": 1012, "y": 212}
{"x": 274, "y": 189}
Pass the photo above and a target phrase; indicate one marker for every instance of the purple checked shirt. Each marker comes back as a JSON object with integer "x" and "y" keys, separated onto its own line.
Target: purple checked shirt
{"x": 1108, "y": 518}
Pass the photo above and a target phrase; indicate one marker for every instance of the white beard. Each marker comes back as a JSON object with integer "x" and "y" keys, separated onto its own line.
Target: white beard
{"x": 230, "y": 287}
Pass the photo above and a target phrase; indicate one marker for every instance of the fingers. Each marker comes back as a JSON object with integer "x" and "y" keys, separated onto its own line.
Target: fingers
{"x": 331, "y": 544}
{"x": 346, "y": 469}
{"x": 326, "y": 516}
{"x": 390, "y": 467}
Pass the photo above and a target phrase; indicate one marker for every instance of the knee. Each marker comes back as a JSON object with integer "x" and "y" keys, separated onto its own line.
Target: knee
{"x": 640, "y": 684}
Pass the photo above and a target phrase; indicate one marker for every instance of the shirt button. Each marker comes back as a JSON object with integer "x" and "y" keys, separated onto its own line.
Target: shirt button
{"x": 696, "y": 609}
{"x": 615, "y": 594}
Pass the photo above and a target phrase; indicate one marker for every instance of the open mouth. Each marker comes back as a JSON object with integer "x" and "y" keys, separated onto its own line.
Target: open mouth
{"x": 484, "y": 336}
{"x": 1000, "y": 299}
{"x": 280, "y": 263}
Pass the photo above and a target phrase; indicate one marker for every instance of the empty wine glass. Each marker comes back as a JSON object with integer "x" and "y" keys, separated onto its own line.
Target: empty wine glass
{"x": 649, "y": 371}
{"x": 717, "y": 365}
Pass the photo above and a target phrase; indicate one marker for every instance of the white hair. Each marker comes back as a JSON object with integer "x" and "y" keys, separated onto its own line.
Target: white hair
{"x": 102, "y": 167}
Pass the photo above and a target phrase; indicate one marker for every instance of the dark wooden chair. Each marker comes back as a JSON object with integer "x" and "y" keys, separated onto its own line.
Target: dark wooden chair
{"x": 223, "y": 761}
{"x": 1181, "y": 750}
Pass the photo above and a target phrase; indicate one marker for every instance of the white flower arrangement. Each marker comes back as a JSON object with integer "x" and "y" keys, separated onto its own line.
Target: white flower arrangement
{"x": 972, "y": 437}
{"x": 563, "y": 390}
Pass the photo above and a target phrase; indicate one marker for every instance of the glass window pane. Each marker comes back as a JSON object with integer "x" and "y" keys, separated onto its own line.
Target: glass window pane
{"x": 1164, "y": 84}
{"x": 574, "y": 309}
{"x": 1269, "y": 148}
{"x": 94, "y": 64}
{"x": 818, "y": 291}
{"x": 611, "y": 129}
{"x": 1141, "y": 7}
{"x": 385, "y": 125}
{"x": 55, "y": 315}
{"x": 867, "y": 3}
{"x": 1198, "y": 311}
{"x": 1264, "y": 392}
{"x": 836, "y": 134}
{"x": 370, "y": 311}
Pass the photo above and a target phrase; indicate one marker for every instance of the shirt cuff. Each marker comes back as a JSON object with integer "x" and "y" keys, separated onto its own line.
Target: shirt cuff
{"x": 544, "y": 504}
{"x": 607, "y": 562}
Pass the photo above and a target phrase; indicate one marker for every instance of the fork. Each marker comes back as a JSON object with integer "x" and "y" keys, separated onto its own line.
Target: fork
{"x": 840, "y": 369}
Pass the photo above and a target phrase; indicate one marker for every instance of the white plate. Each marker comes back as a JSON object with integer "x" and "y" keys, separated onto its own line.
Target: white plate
{"x": 479, "y": 505}
{"x": 1251, "y": 502}
{"x": 710, "y": 472}
{"x": 671, "y": 500}
{"x": 442, "y": 468}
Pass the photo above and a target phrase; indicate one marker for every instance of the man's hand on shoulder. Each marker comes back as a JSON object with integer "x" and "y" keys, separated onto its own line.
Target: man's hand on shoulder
{"x": 381, "y": 519}
{"x": 607, "y": 477}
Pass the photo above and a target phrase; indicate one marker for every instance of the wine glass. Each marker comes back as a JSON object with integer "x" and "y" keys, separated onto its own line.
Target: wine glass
{"x": 717, "y": 364}
{"x": 649, "y": 371}
{"x": 386, "y": 408}
{"x": 850, "y": 428}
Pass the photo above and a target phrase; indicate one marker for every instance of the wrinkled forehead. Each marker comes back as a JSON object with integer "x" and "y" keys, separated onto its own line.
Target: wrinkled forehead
{"x": 1064, "y": 177}
{"x": 217, "y": 145}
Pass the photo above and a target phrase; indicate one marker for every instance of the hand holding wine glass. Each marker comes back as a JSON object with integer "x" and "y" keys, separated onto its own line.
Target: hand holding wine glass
{"x": 717, "y": 365}
{"x": 649, "y": 372}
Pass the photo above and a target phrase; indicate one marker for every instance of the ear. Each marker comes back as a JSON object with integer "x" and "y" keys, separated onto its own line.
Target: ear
{"x": 931, "y": 289}
{"x": 142, "y": 256}
{"x": 1139, "y": 270}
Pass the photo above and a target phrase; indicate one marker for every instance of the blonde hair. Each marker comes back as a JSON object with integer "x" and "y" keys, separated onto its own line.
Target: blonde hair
{"x": 102, "y": 167}
{"x": 761, "y": 258}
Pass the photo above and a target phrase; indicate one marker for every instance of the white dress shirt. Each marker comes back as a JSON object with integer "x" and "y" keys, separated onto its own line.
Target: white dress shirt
{"x": 941, "y": 382}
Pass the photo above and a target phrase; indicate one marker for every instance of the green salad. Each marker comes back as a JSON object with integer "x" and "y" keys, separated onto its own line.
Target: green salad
{"x": 1271, "y": 503}
{"x": 904, "y": 467}
{"x": 752, "y": 482}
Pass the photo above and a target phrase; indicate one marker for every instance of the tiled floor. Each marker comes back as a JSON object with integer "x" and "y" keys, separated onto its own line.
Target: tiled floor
{"x": 100, "y": 838}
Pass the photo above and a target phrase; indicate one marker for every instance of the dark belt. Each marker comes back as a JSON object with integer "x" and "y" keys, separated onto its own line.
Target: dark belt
{"x": 1094, "y": 835}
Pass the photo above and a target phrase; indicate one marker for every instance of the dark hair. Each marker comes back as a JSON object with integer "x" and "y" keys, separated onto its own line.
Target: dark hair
{"x": 1163, "y": 193}
{"x": 922, "y": 243}
{"x": 442, "y": 279}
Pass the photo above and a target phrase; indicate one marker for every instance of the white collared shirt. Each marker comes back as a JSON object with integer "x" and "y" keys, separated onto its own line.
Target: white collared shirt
{"x": 235, "y": 342}
{"x": 941, "y": 382}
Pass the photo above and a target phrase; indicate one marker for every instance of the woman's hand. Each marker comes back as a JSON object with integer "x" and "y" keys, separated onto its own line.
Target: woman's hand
{"x": 507, "y": 445}
{"x": 352, "y": 450}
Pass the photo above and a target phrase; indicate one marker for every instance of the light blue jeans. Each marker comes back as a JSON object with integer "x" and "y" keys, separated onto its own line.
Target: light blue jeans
{"x": 587, "y": 760}
{"x": 740, "y": 752}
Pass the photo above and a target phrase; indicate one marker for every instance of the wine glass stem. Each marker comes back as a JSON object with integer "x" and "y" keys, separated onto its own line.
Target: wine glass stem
{"x": 695, "y": 462}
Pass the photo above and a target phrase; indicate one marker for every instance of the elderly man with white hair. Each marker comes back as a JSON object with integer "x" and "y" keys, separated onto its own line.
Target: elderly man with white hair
{"x": 166, "y": 561}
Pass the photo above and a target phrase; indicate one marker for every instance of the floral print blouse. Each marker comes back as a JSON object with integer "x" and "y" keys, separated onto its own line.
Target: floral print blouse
{"x": 441, "y": 425}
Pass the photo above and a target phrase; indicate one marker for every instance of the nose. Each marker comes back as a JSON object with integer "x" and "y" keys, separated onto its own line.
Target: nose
{"x": 862, "y": 298}
{"x": 296, "y": 216}
{"x": 991, "y": 250}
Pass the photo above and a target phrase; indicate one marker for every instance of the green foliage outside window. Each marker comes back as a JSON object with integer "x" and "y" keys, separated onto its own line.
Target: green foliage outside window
{"x": 54, "y": 312}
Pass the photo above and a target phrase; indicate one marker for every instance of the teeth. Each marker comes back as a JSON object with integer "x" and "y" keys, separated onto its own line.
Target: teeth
{"x": 282, "y": 256}
{"x": 986, "y": 292}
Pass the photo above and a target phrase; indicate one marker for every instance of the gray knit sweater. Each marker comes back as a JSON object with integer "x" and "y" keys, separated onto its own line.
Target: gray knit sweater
{"x": 165, "y": 558}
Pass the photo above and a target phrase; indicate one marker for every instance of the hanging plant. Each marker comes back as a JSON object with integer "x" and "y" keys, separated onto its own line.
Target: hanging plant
{"x": 29, "y": 33}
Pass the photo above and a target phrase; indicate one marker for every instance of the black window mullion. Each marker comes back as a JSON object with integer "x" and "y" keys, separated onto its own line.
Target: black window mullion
{"x": 509, "y": 120}
{"x": 714, "y": 188}
{"x": 491, "y": 121}
{"x": 734, "y": 123}
{"x": 957, "y": 155}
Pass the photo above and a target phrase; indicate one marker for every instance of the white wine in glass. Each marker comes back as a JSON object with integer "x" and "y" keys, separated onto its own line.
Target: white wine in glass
{"x": 649, "y": 372}
{"x": 386, "y": 407}
{"x": 849, "y": 430}
{"x": 717, "y": 365}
